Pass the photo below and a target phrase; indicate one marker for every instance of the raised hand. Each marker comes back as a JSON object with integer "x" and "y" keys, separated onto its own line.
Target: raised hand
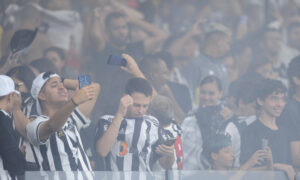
{"x": 17, "y": 101}
{"x": 85, "y": 94}
{"x": 131, "y": 67}
{"x": 125, "y": 101}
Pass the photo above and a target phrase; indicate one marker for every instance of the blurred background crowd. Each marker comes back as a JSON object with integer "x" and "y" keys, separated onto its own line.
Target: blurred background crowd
{"x": 205, "y": 56}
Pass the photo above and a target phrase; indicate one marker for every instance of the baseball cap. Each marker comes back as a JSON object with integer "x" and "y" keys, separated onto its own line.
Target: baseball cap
{"x": 7, "y": 85}
{"x": 40, "y": 81}
{"x": 38, "y": 84}
{"x": 22, "y": 39}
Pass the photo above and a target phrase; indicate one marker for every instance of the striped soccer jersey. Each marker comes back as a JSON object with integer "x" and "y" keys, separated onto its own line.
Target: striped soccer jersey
{"x": 63, "y": 151}
{"x": 134, "y": 147}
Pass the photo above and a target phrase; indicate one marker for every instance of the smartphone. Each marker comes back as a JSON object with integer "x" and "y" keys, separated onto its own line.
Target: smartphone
{"x": 264, "y": 143}
{"x": 169, "y": 142}
{"x": 116, "y": 60}
{"x": 84, "y": 80}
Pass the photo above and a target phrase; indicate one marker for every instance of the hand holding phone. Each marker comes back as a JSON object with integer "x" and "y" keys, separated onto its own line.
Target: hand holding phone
{"x": 84, "y": 80}
{"x": 169, "y": 142}
{"x": 116, "y": 60}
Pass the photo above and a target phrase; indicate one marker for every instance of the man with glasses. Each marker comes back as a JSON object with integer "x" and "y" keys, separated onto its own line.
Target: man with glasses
{"x": 265, "y": 134}
{"x": 55, "y": 143}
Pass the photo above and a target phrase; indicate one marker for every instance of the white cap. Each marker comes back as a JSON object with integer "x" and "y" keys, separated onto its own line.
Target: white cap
{"x": 38, "y": 84}
{"x": 7, "y": 85}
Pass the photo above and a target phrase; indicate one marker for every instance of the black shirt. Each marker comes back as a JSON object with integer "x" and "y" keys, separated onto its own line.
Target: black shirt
{"x": 290, "y": 118}
{"x": 278, "y": 141}
{"x": 111, "y": 77}
{"x": 13, "y": 159}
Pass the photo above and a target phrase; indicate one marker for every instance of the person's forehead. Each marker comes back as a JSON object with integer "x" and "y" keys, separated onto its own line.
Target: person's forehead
{"x": 120, "y": 21}
{"x": 277, "y": 94}
{"x": 140, "y": 98}
{"x": 211, "y": 85}
{"x": 53, "y": 80}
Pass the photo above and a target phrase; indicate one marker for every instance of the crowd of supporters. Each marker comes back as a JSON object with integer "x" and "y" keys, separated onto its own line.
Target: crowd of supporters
{"x": 175, "y": 85}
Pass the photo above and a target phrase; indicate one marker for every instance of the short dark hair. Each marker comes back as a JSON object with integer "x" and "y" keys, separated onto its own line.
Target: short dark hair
{"x": 211, "y": 79}
{"x": 23, "y": 73}
{"x": 43, "y": 65}
{"x": 293, "y": 71}
{"x": 268, "y": 86}
{"x": 58, "y": 50}
{"x": 244, "y": 90}
{"x": 214, "y": 144}
{"x": 111, "y": 16}
{"x": 166, "y": 57}
{"x": 138, "y": 85}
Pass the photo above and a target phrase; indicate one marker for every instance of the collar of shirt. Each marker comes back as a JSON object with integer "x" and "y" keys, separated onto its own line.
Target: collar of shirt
{"x": 6, "y": 113}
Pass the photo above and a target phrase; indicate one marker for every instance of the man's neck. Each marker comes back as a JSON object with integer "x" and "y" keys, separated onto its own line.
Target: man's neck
{"x": 117, "y": 45}
{"x": 268, "y": 121}
{"x": 50, "y": 110}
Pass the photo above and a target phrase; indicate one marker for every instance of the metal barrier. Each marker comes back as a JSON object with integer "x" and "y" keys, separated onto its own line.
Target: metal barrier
{"x": 157, "y": 175}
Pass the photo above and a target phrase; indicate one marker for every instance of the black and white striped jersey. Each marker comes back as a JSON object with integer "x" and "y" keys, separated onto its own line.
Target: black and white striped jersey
{"x": 134, "y": 147}
{"x": 63, "y": 151}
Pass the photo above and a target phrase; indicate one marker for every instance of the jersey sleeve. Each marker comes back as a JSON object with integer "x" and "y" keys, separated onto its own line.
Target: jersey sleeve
{"x": 79, "y": 119}
{"x": 102, "y": 126}
{"x": 32, "y": 130}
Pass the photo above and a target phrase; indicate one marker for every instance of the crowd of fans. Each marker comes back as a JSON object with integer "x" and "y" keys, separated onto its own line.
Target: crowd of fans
{"x": 206, "y": 84}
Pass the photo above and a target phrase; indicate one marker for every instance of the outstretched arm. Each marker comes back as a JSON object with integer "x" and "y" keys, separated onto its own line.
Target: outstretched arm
{"x": 60, "y": 117}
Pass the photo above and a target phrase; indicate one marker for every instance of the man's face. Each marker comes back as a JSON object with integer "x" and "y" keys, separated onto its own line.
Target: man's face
{"x": 272, "y": 42}
{"x": 55, "y": 58}
{"x": 140, "y": 105}
{"x": 294, "y": 37}
{"x": 267, "y": 71}
{"x": 273, "y": 105}
{"x": 54, "y": 92}
{"x": 221, "y": 42}
{"x": 118, "y": 31}
{"x": 209, "y": 94}
{"x": 224, "y": 158}
{"x": 160, "y": 74}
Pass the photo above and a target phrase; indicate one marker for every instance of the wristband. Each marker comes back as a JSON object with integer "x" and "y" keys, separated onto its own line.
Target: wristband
{"x": 74, "y": 102}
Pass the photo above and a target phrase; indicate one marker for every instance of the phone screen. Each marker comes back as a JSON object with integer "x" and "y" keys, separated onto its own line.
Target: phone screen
{"x": 84, "y": 80}
{"x": 116, "y": 60}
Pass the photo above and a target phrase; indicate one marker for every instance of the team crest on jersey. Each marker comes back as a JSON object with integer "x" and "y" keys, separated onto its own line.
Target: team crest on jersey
{"x": 123, "y": 148}
{"x": 60, "y": 133}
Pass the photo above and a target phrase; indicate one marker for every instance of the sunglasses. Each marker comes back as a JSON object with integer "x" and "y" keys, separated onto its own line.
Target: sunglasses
{"x": 48, "y": 74}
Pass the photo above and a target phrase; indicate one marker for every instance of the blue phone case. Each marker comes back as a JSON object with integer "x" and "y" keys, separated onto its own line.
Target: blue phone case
{"x": 116, "y": 60}
{"x": 84, "y": 80}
